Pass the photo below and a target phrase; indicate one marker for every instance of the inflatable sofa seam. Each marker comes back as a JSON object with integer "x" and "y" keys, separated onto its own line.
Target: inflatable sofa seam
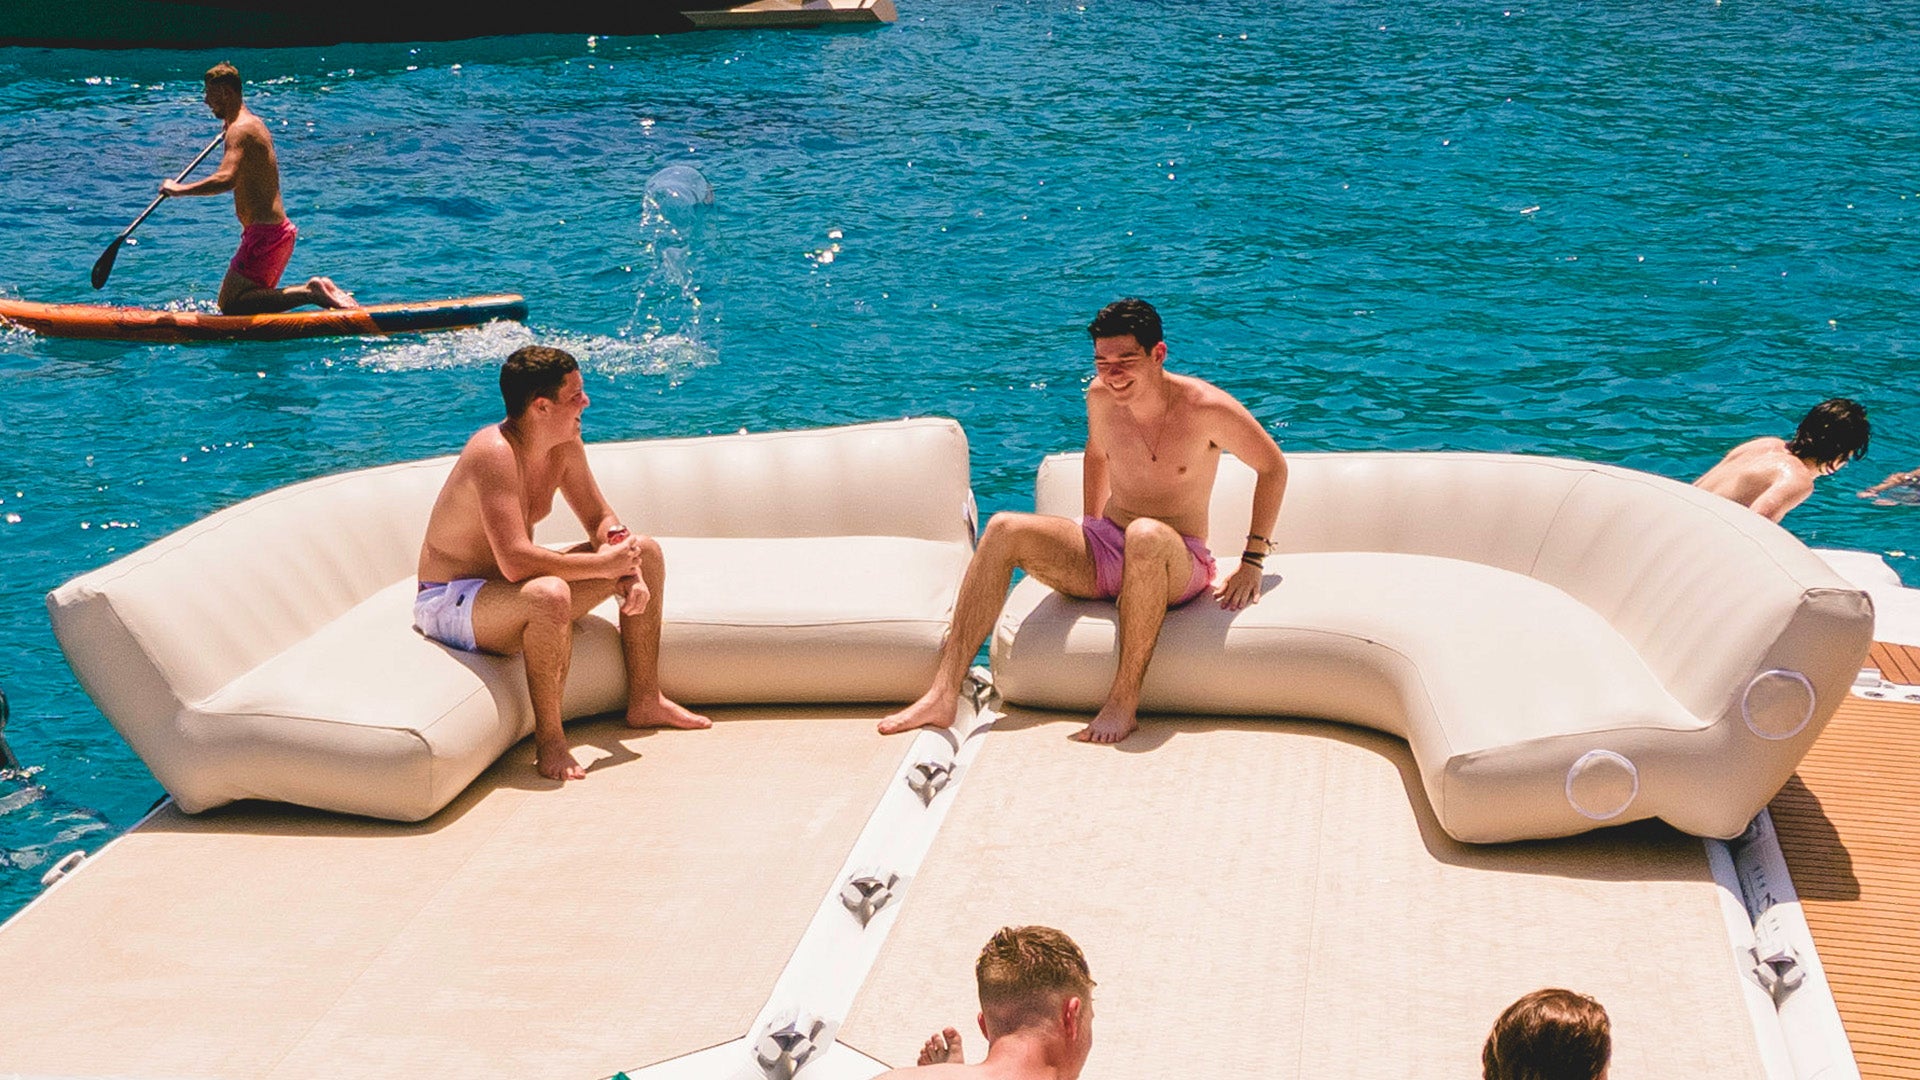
{"x": 200, "y": 709}
{"x": 1553, "y": 522}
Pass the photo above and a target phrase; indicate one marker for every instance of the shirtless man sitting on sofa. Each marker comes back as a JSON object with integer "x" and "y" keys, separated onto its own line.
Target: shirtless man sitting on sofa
{"x": 485, "y": 586}
{"x": 1153, "y": 447}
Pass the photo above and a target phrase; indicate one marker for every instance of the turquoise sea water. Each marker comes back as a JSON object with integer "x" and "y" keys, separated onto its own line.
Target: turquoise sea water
{"x": 1637, "y": 234}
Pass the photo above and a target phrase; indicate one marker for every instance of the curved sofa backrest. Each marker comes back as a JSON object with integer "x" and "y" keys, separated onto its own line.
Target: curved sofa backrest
{"x": 1705, "y": 590}
{"x": 903, "y": 478}
{"x": 1485, "y": 508}
{"x": 1708, "y": 592}
{"x": 178, "y": 619}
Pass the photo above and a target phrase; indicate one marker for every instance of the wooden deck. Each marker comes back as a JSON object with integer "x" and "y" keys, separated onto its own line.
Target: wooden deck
{"x": 1849, "y": 823}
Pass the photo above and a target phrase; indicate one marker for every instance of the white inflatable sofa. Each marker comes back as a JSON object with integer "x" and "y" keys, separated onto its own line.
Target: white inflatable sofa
{"x": 1563, "y": 645}
{"x": 267, "y": 652}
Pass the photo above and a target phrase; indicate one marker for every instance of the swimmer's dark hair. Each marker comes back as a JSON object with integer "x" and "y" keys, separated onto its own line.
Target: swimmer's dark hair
{"x": 1833, "y": 433}
{"x": 224, "y": 74}
{"x": 1549, "y": 1035}
{"x": 1130, "y": 316}
{"x": 1025, "y": 972}
{"x": 535, "y": 371}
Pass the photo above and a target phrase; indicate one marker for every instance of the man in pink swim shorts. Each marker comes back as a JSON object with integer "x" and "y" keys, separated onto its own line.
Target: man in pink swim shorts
{"x": 1154, "y": 441}
{"x": 249, "y": 169}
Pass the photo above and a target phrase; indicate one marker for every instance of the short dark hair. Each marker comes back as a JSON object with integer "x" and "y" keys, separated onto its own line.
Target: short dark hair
{"x": 1024, "y": 972}
{"x": 535, "y": 371}
{"x": 224, "y": 74}
{"x": 1549, "y": 1035}
{"x": 1834, "y": 432}
{"x": 1130, "y": 316}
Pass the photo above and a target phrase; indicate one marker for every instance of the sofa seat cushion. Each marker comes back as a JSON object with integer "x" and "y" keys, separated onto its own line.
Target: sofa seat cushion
{"x": 367, "y": 716}
{"x": 1518, "y": 658}
{"x": 1498, "y": 682}
{"x": 804, "y": 619}
{"x": 364, "y": 716}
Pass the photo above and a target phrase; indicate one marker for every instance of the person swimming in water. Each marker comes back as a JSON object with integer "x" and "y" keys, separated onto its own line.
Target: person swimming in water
{"x": 1771, "y": 476}
{"x": 249, "y": 169}
{"x": 1900, "y": 489}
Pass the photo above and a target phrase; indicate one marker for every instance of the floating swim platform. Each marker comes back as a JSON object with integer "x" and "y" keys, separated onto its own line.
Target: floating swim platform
{"x": 151, "y": 324}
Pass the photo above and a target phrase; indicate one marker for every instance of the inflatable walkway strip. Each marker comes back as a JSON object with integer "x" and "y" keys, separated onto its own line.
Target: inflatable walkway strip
{"x": 1796, "y": 1021}
{"x": 794, "y": 1033}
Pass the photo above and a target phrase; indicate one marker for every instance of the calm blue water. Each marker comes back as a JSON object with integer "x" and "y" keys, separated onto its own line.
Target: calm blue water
{"x": 1637, "y": 235}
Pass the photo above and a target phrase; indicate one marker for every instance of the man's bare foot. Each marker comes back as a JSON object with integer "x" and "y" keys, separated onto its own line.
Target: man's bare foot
{"x": 661, "y": 712}
{"x": 555, "y": 760}
{"x": 1114, "y": 723}
{"x": 934, "y": 709}
{"x": 943, "y": 1048}
{"x": 329, "y": 295}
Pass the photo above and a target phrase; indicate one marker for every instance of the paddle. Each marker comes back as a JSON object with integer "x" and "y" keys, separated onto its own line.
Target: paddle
{"x": 104, "y": 266}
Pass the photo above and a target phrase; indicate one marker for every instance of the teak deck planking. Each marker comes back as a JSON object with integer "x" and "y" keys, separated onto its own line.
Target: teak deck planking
{"x": 1849, "y": 823}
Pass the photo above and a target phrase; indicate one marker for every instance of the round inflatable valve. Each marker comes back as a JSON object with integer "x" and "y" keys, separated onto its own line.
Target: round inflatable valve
{"x": 1602, "y": 784}
{"x": 1778, "y": 704}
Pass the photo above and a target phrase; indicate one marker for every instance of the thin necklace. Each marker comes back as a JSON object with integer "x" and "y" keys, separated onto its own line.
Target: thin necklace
{"x": 1153, "y": 445}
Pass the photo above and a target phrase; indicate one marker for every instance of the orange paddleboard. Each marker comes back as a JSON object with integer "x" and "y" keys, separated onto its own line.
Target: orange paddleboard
{"x": 149, "y": 324}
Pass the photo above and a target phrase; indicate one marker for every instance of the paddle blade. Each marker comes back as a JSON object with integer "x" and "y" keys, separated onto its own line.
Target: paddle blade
{"x": 104, "y": 265}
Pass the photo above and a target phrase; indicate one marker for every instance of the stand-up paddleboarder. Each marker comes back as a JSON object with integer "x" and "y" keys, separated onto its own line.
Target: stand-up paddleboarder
{"x": 249, "y": 169}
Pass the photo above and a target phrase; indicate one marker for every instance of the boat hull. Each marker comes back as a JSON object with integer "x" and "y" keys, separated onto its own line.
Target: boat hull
{"x": 197, "y": 24}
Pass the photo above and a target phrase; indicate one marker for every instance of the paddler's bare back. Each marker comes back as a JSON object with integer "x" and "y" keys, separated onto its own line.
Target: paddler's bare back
{"x": 1160, "y": 470}
{"x": 456, "y": 542}
{"x": 256, "y": 177}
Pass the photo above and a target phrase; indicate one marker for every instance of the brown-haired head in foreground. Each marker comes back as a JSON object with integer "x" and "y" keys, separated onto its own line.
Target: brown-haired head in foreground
{"x": 1549, "y": 1035}
{"x": 535, "y": 371}
{"x": 1025, "y": 972}
{"x": 224, "y": 75}
{"x": 1833, "y": 433}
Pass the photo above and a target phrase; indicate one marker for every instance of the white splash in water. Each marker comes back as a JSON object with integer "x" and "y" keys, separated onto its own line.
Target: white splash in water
{"x": 486, "y": 346}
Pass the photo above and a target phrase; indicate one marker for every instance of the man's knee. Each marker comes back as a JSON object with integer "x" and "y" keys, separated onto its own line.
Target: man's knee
{"x": 1149, "y": 537}
{"x": 1000, "y": 540}
{"x": 651, "y": 556}
{"x": 549, "y": 600}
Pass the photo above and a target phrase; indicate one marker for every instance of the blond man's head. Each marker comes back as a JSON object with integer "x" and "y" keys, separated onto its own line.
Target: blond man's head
{"x": 1028, "y": 975}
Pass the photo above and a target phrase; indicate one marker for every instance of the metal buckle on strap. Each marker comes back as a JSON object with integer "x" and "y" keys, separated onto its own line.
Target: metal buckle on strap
{"x": 783, "y": 1052}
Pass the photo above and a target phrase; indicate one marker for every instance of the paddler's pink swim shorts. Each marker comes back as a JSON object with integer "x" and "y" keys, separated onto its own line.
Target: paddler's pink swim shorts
{"x": 264, "y": 251}
{"x": 1107, "y": 542}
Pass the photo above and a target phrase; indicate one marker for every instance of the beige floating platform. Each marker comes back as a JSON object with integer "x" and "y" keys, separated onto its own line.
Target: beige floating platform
{"x": 1276, "y": 899}
{"x": 529, "y": 930}
{"x": 794, "y": 14}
